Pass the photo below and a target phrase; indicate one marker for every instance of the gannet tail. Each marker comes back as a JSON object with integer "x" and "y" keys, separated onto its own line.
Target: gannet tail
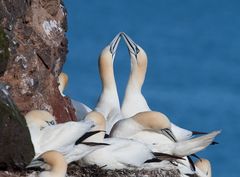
{"x": 188, "y": 147}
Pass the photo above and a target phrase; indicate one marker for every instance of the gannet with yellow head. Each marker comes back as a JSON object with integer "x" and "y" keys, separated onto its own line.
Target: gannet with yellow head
{"x": 57, "y": 163}
{"x": 108, "y": 103}
{"x": 119, "y": 153}
{"x": 80, "y": 108}
{"x": 62, "y": 137}
{"x": 154, "y": 129}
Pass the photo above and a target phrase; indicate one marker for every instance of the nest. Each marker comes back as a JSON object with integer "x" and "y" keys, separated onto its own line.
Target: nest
{"x": 75, "y": 170}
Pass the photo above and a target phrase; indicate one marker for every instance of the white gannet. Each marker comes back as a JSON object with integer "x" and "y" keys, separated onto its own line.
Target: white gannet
{"x": 56, "y": 162}
{"x": 119, "y": 153}
{"x": 153, "y": 129}
{"x": 108, "y": 103}
{"x": 46, "y": 136}
{"x": 80, "y": 108}
{"x": 134, "y": 101}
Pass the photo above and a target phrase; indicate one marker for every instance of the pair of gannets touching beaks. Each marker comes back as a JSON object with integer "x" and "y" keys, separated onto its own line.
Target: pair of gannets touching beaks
{"x": 113, "y": 153}
{"x": 133, "y": 102}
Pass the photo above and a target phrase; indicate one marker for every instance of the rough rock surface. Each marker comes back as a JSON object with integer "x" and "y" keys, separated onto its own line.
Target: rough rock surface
{"x": 35, "y": 30}
{"x": 16, "y": 149}
{"x": 33, "y": 49}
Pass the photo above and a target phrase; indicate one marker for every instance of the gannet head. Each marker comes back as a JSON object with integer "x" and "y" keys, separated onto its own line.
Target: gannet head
{"x": 110, "y": 50}
{"x": 205, "y": 166}
{"x": 152, "y": 120}
{"x": 57, "y": 163}
{"x": 63, "y": 80}
{"x": 138, "y": 59}
{"x": 40, "y": 118}
{"x": 98, "y": 119}
{"x": 136, "y": 52}
{"x": 100, "y": 125}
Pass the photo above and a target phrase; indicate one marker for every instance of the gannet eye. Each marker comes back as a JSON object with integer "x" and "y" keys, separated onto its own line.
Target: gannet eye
{"x": 50, "y": 122}
{"x": 42, "y": 128}
{"x": 137, "y": 50}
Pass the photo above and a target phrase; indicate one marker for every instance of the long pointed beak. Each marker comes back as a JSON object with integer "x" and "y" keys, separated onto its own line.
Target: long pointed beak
{"x": 132, "y": 46}
{"x": 114, "y": 44}
{"x": 168, "y": 133}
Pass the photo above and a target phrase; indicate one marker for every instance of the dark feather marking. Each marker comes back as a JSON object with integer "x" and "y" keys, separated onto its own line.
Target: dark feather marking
{"x": 86, "y": 135}
{"x": 191, "y": 163}
{"x": 94, "y": 143}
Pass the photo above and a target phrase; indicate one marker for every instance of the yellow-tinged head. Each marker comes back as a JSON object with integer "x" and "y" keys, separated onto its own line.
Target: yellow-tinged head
{"x": 41, "y": 118}
{"x": 205, "y": 166}
{"x": 57, "y": 163}
{"x": 152, "y": 120}
{"x": 98, "y": 119}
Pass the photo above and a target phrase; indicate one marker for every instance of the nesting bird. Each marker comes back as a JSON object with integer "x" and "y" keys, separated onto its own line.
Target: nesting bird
{"x": 80, "y": 108}
{"x": 57, "y": 163}
{"x": 47, "y": 136}
{"x": 118, "y": 153}
{"x": 154, "y": 129}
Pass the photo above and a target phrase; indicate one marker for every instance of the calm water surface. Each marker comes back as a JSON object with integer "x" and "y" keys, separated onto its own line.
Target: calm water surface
{"x": 193, "y": 73}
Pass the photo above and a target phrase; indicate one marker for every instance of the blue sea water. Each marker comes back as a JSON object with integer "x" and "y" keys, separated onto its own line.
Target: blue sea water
{"x": 193, "y": 49}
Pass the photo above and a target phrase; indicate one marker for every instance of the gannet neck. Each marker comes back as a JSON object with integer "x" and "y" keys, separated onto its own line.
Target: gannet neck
{"x": 205, "y": 166}
{"x": 134, "y": 101}
{"x": 105, "y": 64}
{"x": 100, "y": 125}
{"x": 109, "y": 97}
{"x": 108, "y": 103}
{"x": 57, "y": 163}
{"x": 138, "y": 69}
{"x": 152, "y": 120}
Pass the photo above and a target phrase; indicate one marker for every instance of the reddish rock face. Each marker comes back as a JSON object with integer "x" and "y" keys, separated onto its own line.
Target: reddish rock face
{"x": 37, "y": 51}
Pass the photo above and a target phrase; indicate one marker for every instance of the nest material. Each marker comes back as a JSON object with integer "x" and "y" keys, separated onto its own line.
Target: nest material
{"x": 75, "y": 170}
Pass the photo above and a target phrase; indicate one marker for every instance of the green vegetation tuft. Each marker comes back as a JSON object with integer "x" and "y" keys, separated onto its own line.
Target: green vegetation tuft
{"x": 4, "y": 53}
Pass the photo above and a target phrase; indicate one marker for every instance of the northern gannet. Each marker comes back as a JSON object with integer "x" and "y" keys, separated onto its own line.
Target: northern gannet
{"x": 46, "y": 136}
{"x": 56, "y": 162}
{"x": 119, "y": 153}
{"x": 80, "y": 108}
{"x": 108, "y": 103}
{"x": 134, "y": 101}
{"x": 154, "y": 129}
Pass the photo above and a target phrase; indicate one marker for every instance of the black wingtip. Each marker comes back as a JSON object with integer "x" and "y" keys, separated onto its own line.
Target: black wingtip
{"x": 198, "y": 133}
{"x": 94, "y": 144}
{"x": 214, "y": 143}
{"x": 164, "y": 156}
{"x": 153, "y": 160}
